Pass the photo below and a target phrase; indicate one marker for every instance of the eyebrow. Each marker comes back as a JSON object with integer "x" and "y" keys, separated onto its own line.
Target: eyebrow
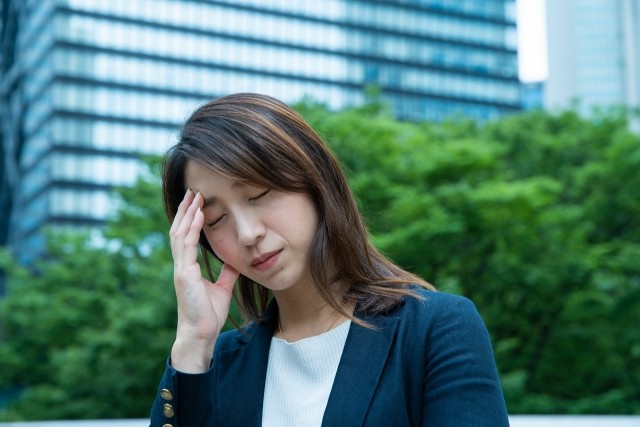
{"x": 209, "y": 201}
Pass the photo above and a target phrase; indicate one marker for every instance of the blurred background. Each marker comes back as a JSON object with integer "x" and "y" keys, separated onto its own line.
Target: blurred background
{"x": 492, "y": 144}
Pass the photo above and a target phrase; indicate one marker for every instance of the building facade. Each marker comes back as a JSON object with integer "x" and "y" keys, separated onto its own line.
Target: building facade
{"x": 89, "y": 85}
{"x": 532, "y": 95}
{"x": 594, "y": 53}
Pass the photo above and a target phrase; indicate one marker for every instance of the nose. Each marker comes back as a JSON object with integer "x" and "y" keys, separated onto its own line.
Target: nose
{"x": 249, "y": 228}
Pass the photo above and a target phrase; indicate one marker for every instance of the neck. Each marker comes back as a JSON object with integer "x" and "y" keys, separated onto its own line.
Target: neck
{"x": 305, "y": 314}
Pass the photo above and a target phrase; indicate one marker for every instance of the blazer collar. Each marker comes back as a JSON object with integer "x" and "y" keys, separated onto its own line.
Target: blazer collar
{"x": 241, "y": 372}
{"x": 363, "y": 359}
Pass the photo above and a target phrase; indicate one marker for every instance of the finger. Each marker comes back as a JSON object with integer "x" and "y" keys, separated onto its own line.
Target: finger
{"x": 185, "y": 253}
{"x": 184, "y": 225}
{"x": 190, "y": 253}
{"x": 184, "y": 239}
{"x": 227, "y": 277}
{"x": 182, "y": 209}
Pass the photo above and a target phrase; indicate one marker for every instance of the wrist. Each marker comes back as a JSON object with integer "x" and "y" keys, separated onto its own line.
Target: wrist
{"x": 192, "y": 356}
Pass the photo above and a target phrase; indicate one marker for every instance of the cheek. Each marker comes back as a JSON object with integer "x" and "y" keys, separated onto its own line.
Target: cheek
{"x": 221, "y": 248}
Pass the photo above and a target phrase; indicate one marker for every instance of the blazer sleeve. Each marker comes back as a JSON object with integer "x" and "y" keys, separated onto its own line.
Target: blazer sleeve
{"x": 183, "y": 400}
{"x": 461, "y": 385}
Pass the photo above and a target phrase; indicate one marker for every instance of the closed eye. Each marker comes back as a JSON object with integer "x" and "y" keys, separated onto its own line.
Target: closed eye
{"x": 251, "y": 199}
{"x": 261, "y": 195}
{"x": 212, "y": 224}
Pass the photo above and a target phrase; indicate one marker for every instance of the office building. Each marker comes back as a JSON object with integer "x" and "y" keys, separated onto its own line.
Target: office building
{"x": 88, "y": 85}
{"x": 594, "y": 53}
{"x": 532, "y": 95}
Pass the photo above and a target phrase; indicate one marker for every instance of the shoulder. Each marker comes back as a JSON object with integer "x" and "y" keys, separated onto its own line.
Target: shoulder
{"x": 446, "y": 330}
{"x": 435, "y": 306}
{"x": 454, "y": 347}
{"x": 436, "y": 315}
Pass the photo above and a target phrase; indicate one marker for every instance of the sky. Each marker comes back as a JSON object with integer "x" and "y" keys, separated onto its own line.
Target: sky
{"x": 532, "y": 40}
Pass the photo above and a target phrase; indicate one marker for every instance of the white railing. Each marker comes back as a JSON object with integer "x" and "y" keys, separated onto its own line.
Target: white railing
{"x": 573, "y": 421}
{"x": 515, "y": 420}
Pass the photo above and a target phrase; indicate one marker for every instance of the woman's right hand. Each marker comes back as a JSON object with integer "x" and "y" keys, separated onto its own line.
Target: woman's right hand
{"x": 203, "y": 306}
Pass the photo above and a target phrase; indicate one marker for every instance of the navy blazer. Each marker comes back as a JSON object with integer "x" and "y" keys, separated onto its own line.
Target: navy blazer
{"x": 428, "y": 362}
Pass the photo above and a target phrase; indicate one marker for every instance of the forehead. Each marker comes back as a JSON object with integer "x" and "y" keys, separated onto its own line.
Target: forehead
{"x": 198, "y": 175}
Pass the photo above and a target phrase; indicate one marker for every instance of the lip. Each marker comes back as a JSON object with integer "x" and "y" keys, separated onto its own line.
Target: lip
{"x": 265, "y": 261}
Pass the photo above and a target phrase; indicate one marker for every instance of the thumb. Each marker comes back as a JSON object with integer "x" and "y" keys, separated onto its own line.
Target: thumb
{"x": 227, "y": 277}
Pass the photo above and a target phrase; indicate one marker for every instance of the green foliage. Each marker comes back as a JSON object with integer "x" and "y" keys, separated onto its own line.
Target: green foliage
{"x": 535, "y": 217}
{"x": 85, "y": 331}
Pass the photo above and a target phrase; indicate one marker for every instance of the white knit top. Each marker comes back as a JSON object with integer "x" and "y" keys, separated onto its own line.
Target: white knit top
{"x": 300, "y": 376}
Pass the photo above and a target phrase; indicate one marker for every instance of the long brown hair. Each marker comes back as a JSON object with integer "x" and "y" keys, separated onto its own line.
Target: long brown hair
{"x": 259, "y": 140}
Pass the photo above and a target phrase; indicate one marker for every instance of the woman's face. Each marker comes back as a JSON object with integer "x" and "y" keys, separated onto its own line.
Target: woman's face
{"x": 263, "y": 233}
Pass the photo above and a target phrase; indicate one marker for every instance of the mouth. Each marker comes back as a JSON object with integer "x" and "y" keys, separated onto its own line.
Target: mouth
{"x": 265, "y": 261}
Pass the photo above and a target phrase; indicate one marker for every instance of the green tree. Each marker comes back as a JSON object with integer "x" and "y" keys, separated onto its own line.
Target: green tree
{"x": 84, "y": 331}
{"x": 535, "y": 217}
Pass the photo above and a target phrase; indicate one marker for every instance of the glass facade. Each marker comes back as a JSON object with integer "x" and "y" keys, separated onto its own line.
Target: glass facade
{"x": 595, "y": 56}
{"x": 105, "y": 81}
{"x": 599, "y": 52}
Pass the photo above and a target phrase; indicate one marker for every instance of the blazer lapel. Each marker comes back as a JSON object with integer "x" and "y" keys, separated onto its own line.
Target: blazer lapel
{"x": 242, "y": 372}
{"x": 363, "y": 359}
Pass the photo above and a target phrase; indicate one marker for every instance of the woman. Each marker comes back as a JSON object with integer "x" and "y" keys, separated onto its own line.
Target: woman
{"x": 336, "y": 334}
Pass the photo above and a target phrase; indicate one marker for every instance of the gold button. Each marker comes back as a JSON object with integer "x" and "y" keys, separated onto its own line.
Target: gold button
{"x": 166, "y": 394}
{"x": 167, "y": 410}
